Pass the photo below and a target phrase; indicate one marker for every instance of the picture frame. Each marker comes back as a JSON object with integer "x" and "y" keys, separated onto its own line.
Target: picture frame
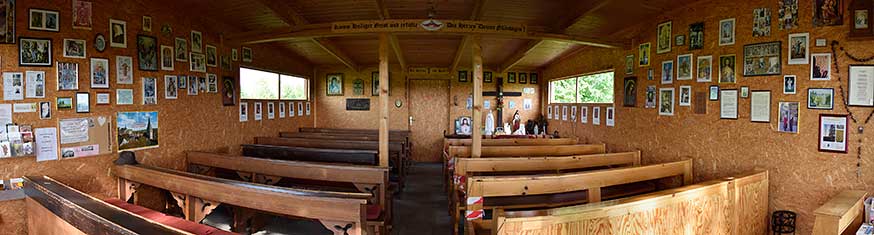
{"x": 573, "y": 114}
{"x": 704, "y": 70}
{"x": 727, "y": 28}
{"x": 211, "y": 56}
{"x": 584, "y": 114}
{"x": 271, "y": 110}
{"x": 147, "y": 53}
{"x": 630, "y": 94}
{"x": 99, "y": 42}
{"x": 532, "y": 78}
{"x": 790, "y": 84}
{"x": 83, "y": 102}
{"x": 549, "y": 112}
{"x": 229, "y": 91}
{"x": 64, "y": 103}
{"x": 649, "y": 74}
{"x": 141, "y": 131}
{"x": 247, "y": 55}
{"x": 828, "y": 13}
{"x": 760, "y": 106}
{"x": 833, "y": 133}
{"x": 663, "y": 42}
{"x": 462, "y": 76}
{"x": 744, "y": 92}
{"x": 8, "y": 30}
{"x": 650, "y": 97}
{"x": 787, "y": 121}
{"x": 680, "y": 40}
{"x": 763, "y": 59}
{"x": 150, "y": 91}
{"x": 35, "y": 84}
{"x": 727, "y": 69}
{"x": 35, "y": 52}
{"x": 75, "y": 48}
{"x": 234, "y": 54}
{"x": 82, "y": 12}
{"x": 643, "y": 51}
{"x": 596, "y": 115}
{"x": 124, "y": 96}
{"x": 45, "y": 110}
{"x": 761, "y": 22}
{"x": 666, "y": 101}
{"x": 197, "y": 62}
{"x": 611, "y": 116}
{"x": 788, "y": 14}
{"x": 564, "y": 112}
{"x": 684, "y": 67}
{"x": 859, "y": 86}
{"x": 68, "y": 76}
{"x": 821, "y": 98}
{"x": 100, "y": 73}
{"x": 193, "y": 88}
{"x": 124, "y": 70}
{"x": 117, "y": 33}
{"x": 820, "y": 66}
{"x": 862, "y": 17}
{"x": 685, "y": 95}
{"x": 629, "y": 64}
{"x": 667, "y": 72}
{"x": 43, "y": 20}
{"x": 147, "y": 24}
{"x": 523, "y": 78}
{"x": 167, "y": 58}
{"x": 714, "y": 93}
{"x": 487, "y": 77}
{"x": 212, "y": 83}
{"x": 183, "y": 82}
{"x": 696, "y": 36}
{"x": 511, "y": 77}
{"x": 728, "y": 104}
{"x": 334, "y": 84}
{"x": 196, "y": 41}
{"x": 799, "y": 48}
{"x": 171, "y": 88}
{"x": 244, "y": 112}
{"x": 103, "y": 98}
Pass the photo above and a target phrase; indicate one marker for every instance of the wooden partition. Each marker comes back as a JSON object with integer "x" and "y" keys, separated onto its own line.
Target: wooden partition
{"x": 737, "y": 206}
{"x": 841, "y": 212}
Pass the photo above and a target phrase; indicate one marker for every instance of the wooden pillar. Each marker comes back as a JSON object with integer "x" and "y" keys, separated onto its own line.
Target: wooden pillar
{"x": 477, "y": 136}
{"x": 383, "y": 100}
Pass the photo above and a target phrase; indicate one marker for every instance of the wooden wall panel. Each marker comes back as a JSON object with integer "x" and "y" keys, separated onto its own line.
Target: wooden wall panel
{"x": 802, "y": 178}
{"x": 332, "y": 109}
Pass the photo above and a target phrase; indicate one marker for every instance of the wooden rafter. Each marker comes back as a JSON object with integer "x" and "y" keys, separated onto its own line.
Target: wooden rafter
{"x": 519, "y": 55}
{"x": 396, "y": 46}
{"x": 582, "y": 11}
{"x": 335, "y": 51}
{"x": 382, "y": 10}
{"x": 459, "y": 53}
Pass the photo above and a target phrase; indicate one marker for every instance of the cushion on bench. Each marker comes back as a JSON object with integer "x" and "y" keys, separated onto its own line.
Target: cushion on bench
{"x": 167, "y": 220}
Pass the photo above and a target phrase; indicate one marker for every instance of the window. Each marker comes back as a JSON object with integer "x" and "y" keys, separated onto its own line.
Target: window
{"x": 264, "y": 85}
{"x": 590, "y": 88}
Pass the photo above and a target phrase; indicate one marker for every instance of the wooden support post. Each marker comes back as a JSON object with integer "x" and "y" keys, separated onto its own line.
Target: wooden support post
{"x": 594, "y": 194}
{"x": 477, "y": 136}
{"x": 383, "y": 100}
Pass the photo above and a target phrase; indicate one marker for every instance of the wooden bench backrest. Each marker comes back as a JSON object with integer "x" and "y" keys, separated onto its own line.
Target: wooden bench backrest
{"x": 327, "y": 144}
{"x": 405, "y": 133}
{"x": 737, "y": 205}
{"x": 340, "y": 136}
{"x": 360, "y": 157}
{"x": 512, "y": 142}
{"x": 468, "y": 166}
{"x": 526, "y": 151}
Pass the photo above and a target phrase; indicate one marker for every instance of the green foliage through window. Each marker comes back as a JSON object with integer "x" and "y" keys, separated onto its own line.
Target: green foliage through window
{"x": 263, "y": 85}
{"x": 592, "y": 88}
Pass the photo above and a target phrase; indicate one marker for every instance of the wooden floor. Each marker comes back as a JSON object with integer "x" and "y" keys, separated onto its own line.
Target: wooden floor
{"x": 421, "y": 208}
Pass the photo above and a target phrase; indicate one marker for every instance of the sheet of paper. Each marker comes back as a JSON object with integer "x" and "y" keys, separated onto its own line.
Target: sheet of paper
{"x": 861, "y": 86}
{"x": 760, "y": 106}
{"x": 728, "y": 104}
{"x": 74, "y": 130}
{"x": 36, "y": 84}
{"x": 13, "y": 87}
{"x": 24, "y": 108}
{"x": 46, "y": 144}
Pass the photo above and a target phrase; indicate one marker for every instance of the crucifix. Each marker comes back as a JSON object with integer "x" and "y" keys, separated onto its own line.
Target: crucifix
{"x": 499, "y": 105}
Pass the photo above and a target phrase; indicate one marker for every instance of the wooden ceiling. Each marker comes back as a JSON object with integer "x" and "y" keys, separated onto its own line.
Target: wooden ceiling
{"x": 583, "y": 18}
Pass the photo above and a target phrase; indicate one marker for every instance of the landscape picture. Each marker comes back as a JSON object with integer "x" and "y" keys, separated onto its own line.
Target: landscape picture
{"x": 137, "y": 130}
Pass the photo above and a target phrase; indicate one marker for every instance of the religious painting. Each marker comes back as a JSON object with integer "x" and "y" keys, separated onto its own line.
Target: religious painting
{"x": 117, "y": 33}
{"x": 511, "y": 77}
{"x": 124, "y": 70}
{"x": 83, "y": 102}
{"x": 686, "y": 95}
{"x": 271, "y": 113}
{"x": 183, "y": 82}
{"x": 487, "y": 77}
{"x": 629, "y": 64}
{"x": 234, "y": 55}
{"x": 244, "y": 111}
{"x": 649, "y": 74}
{"x": 99, "y": 42}
{"x": 799, "y": 48}
{"x": 828, "y": 13}
{"x": 82, "y": 14}
{"x": 573, "y": 113}
{"x": 147, "y": 53}
{"x": 358, "y": 87}
{"x": 196, "y": 41}
{"x": 150, "y": 91}
{"x": 744, "y": 92}
{"x": 99, "y": 73}
{"x": 167, "y": 59}
{"x": 763, "y": 59}
{"x": 860, "y": 19}
{"x": 247, "y": 54}
{"x": 630, "y": 88}
{"x": 584, "y": 114}
{"x": 666, "y": 101}
{"x": 650, "y": 97}
{"x": 137, "y": 130}
{"x": 761, "y": 22}
{"x": 726, "y": 32}
{"x": 820, "y": 98}
{"x": 696, "y": 36}
{"x": 788, "y": 119}
{"x": 820, "y": 68}
{"x": 281, "y": 109}
{"x": 170, "y": 87}
{"x": 564, "y": 113}
{"x": 680, "y": 40}
{"x": 596, "y": 116}
{"x": 225, "y": 62}
{"x": 549, "y": 112}
{"x": 334, "y": 84}
{"x": 258, "y": 112}
{"x": 833, "y": 131}
{"x": 229, "y": 91}
{"x": 197, "y": 62}
{"x": 523, "y": 78}
{"x": 705, "y": 69}
{"x": 211, "y": 83}
{"x": 643, "y": 54}
{"x": 462, "y": 76}
{"x": 211, "y": 56}
{"x": 463, "y": 126}
{"x": 532, "y": 78}
{"x": 74, "y": 48}
{"x": 788, "y": 14}
{"x": 43, "y": 20}
{"x": 727, "y": 73}
{"x": 124, "y": 96}
{"x": 147, "y": 24}
{"x": 714, "y": 92}
{"x": 68, "y": 76}
{"x": 668, "y": 72}
{"x": 181, "y": 50}
{"x": 611, "y": 117}
{"x": 192, "y": 85}
{"x": 664, "y": 37}
{"x": 34, "y": 52}
{"x": 789, "y": 84}
{"x": 35, "y": 84}
{"x": 684, "y": 67}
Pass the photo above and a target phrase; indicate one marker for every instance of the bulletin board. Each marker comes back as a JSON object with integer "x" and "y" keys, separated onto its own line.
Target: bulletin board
{"x": 99, "y": 141}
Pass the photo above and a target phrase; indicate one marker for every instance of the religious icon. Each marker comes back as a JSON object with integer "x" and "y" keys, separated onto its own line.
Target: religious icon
{"x": 334, "y": 84}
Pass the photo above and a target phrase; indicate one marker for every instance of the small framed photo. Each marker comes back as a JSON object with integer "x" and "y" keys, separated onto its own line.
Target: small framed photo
{"x": 487, "y": 77}
{"x": 833, "y": 133}
{"x": 147, "y": 24}
{"x": 103, "y": 98}
{"x": 196, "y": 41}
{"x": 124, "y": 73}
{"x": 714, "y": 92}
{"x": 549, "y": 112}
{"x": 789, "y": 84}
{"x": 83, "y": 102}
{"x": 667, "y": 72}
{"x": 99, "y": 73}
{"x": 35, "y": 52}
{"x": 334, "y": 85}
{"x": 45, "y": 110}
{"x": 684, "y": 67}
{"x": 760, "y": 106}
{"x": 74, "y": 48}
{"x": 727, "y": 69}
{"x": 788, "y": 119}
{"x": 247, "y": 54}
{"x": 462, "y": 76}
{"x": 65, "y": 102}
{"x": 511, "y": 77}
{"x": 629, "y": 64}
{"x": 181, "y": 49}
{"x": 666, "y": 101}
{"x": 799, "y": 48}
{"x": 211, "y": 56}
{"x": 643, "y": 51}
{"x": 726, "y": 32}
{"x": 171, "y": 89}
{"x": 762, "y": 59}
{"x": 523, "y": 78}
{"x": 167, "y": 58}
{"x": 234, "y": 54}
{"x": 663, "y": 44}
{"x": 821, "y": 98}
{"x": 680, "y": 40}
{"x": 68, "y": 76}
{"x": 124, "y": 96}
{"x": 150, "y": 91}
{"x": 860, "y": 80}
{"x": 584, "y": 114}
{"x": 532, "y": 78}
{"x": 281, "y": 109}
{"x": 630, "y": 88}
{"x": 820, "y": 67}
{"x": 99, "y": 42}
{"x": 686, "y": 95}
{"x": 117, "y": 33}
{"x": 147, "y": 53}
{"x": 728, "y": 105}
{"x": 43, "y": 20}
{"x": 744, "y": 92}
{"x": 705, "y": 69}
{"x": 271, "y": 113}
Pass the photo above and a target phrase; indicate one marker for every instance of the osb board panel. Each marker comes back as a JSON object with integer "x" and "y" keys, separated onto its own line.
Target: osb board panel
{"x": 429, "y": 105}
{"x": 13, "y": 219}
{"x": 188, "y": 123}
{"x": 801, "y": 177}
{"x": 332, "y": 109}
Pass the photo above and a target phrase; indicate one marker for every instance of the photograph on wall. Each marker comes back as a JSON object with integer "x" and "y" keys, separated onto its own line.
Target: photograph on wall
{"x": 83, "y": 102}
{"x": 860, "y": 19}
{"x": 511, "y": 77}
{"x": 820, "y": 98}
{"x": 549, "y": 112}
{"x": 300, "y": 109}
{"x": 81, "y": 14}
{"x": 833, "y": 133}
{"x": 45, "y": 110}
{"x": 197, "y": 63}
{"x": 99, "y": 42}
{"x": 532, "y": 78}
{"x": 74, "y": 48}
{"x": 760, "y": 106}
{"x": 650, "y": 97}
{"x": 244, "y": 111}
{"x": 788, "y": 14}
{"x": 630, "y": 87}
{"x": 714, "y": 92}
{"x": 523, "y": 78}
{"x": 181, "y": 53}
{"x": 68, "y": 76}
{"x": 487, "y": 78}
{"x": 696, "y": 36}
{"x": 281, "y": 109}
{"x": 124, "y": 73}
{"x": 34, "y": 52}
{"x": 247, "y": 54}
{"x": 726, "y": 32}
{"x": 358, "y": 87}
{"x": 13, "y": 86}
{"x": 43, "y": 20}
{"x": 680, "y": 40}
{"x": 147, "y": 24}
{"x": 666, "y": 101}
{"x": 727, "y": 69}
{"x": 828, "y": 13}
{"x": 290, "y": 109}
{"x": 684, "y": 67}
{"x": 150, "y": 91}
{"x": 789, "y": 84}
{"x": 334, "y": 84}
{"x": 137, "y": 130}
{"x": 65, "y": 102}
{"x": 183, "y": 82}
{"x": 667, "y": 72}
{"x": 573, "y": 114}
{"x": 744, "y": 92}
{"x": 211, "y": 56}
{"x": 821, "y": 66}
{"x": 664, "y": 37}
{"x": 201, "y": 84}
{"x": 374, "y": 84}
{"x": 629, "y": 64}
{"x": 686, "y": 95}
{"x": 526, "y": 104}
{"x": 596, "y": 116}
{"x": 705, "y": 69}
{"x": 170, "y": 89}
{"x": 234, "y": 54}
{"x": 99, "y": 73}
{"x": 103, "y": 98}
{"x": 258, "y": 112}
{"x": 564, "y": 113}
{"x": 229, "y": 91}
{"x": 271, "y": 112}
{"x": 167, "y": 58}
{"x": 124, "y": 96}
{"x": 611, "y": 117}
{"x": 788, "y": 119}
{"x": 761, "y": 22}
{"x": 799, "y": 48}
{"x": 35, "y": 84}
{"x": 462, "y": 76}
{"x": 211, "y": 83}
{"x": 463, "y": 126}
{"x": 196, "y": 41}
{"x": 584, "y": 114}
{"x": 643, "y": 54}
{"x": 117, "y": 33}
{"x": 147, "y": 53}
{"x": 192, "y": 85}
{"x": 762, "y": 59}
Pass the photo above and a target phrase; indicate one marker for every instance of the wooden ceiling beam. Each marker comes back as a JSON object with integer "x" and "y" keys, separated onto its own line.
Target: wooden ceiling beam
{"x": 382, "y": 10}
{"x": 335, "y": 51}
{"x": 478, "y": 9}
{"x": 581, "y": 11}
{"x": 459, "y": 54}
{"x": 519, "y": 55}
{"x": 396, "y": 46}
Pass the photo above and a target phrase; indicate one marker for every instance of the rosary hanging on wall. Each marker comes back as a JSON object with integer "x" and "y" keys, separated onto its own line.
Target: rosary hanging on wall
{"x": 835, "y": 46}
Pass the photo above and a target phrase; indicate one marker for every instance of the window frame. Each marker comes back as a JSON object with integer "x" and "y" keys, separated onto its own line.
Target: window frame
{"x": 278, "y": 84}
{"x": 576, "y": 78}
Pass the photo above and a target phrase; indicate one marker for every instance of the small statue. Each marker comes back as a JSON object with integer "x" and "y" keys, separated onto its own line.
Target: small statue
{"x": 490, "y": 124}
{"x": 517, "y": 121}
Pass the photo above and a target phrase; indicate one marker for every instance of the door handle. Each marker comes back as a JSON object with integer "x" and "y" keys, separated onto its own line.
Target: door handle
{"x": 411, "y": 120}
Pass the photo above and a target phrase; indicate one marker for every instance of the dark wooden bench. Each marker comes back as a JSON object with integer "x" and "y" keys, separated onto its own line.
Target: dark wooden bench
{"x": 351, "y": 131}
{"x": 358, "y": 157}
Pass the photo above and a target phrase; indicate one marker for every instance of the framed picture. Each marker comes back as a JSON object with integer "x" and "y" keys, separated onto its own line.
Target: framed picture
{"x": 117, "y": 33}
{"x": 45, "y": 110}
{"x": 124, "y": 66}
{"x": 629, "y": 64}
{"x": 170, "y": 87}
{"x": 788, "y": 14}
{"x": 196, "y": 41}
{"x": 35, "y": 52}
{"x": 523, "y": 78}
{"x": 584, "y": 114}
{"x": 727, "y": 69}
{"x": 99, "y": 42}
{"x": 68, "y": 76}
{"x": 760, "y": 106}
{"x": 65, "y": 102}
{"x": 13, "y": 86}
{"x": 696, "y": 36}
{"x": 147, "y": 24}
{"x": 212, "y": 83}
{"x": 680, "y": 40}
{"x": 150, "y": 91}
{"x": 686, "y": 95}
{"x": 564, "y": 113}
{"x": 167, "y": 58}
{"x": 83, "y": 102}
{"x": 861, "y": 17}
{"x": 744, "y": 92}
{"x": 789, "y": 84}
{"x": 649, "y": 74}
{"x": 788, "y": 119}
{"x": 147, "y": 53}
{"x": 198, "y": 62}
{"x": 462, "y": 76}
{"x": 244, "y": 111}
{"x": 271, "y": 112}
{"x": 183, "y": 82}
{"x": 334, "y": 84}
{"x": 684, "y": 67}
{"x": 799, "y": 48}
{"x": 487, "y": 77}
{"x": 596, "y": 115}
{"x": 247, "y": 54}
{"x": 650, "y": 97}
{"x": 821, "y": 98}
{"x": 664, "y": 37}
{"x": 192, "y": 85}
{"x": 81, "y": 14}
{"x": 234, "y": 55}
{"x": 860, "y": 80}
{"x": 35, "y": 84}
{"x": 643, "y": 51}
{"x": 281, "y": 109}
{"x": 611, "y": 117}
{"x": 728, "y": 104}
{"x": 102, "y": 98}
{"x": 573, "y": 113}
{"x": 630, "y": 88}
{"x": 124, "y": 96}
{"x": 229, "y": 91}
{"x": 43, "y": 20}
{"x": 511, "y": 77}
{"x": 140, "y": 130}
{"x": 74, "y": 48}
{"x": 549, "y": 112}
{"x": 763, "y": 59}
{"x": 714, "y": 92}
{"x": 99, "y": 73}
{"x": 761, "y": 22}
{"x": 532, "y": 78}
{"x": 463, "y": 126}
{"x": 821, "y": 66}
{"x": 667, "y": 72}
{"x": 828, "y": 13}
{"x": 833, "y": 133}
{"x": 726, "y": 32}
{"x": 705, "y": 69}
{"x": 211, "y": 56}
{"x": 666, "y": 101}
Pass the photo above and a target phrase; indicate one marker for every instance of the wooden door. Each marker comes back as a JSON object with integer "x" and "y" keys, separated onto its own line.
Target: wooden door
{"x": 429, "y": 109}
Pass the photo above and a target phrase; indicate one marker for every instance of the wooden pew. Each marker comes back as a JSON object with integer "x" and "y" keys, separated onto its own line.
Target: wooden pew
{"x": 358, "y": 157}
{"x": 55, "y": 208}
{"x": 198, "y": 195}
{"x": 734, "y": 205}
{"x": 515, "y": 151}
{"x": 342, "y": 136}
{"x": 352, "y": 131}
{"x": 841, "y": 212}
{"x": 509, "y": 142}
{"x": 366, "y": 179}
{"x": 481, "y": 189}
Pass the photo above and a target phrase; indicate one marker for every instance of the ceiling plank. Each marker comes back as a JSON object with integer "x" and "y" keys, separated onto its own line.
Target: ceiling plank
{"x": 478, "y": 10}
{"x": 459, "y": 53}
{"x": 382, "y": 10}
{"x": 335, "y": 51}
{"x": 519, "y": 55}
{"x": 396, "y": 46}
{"x": 584, "y": 10}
